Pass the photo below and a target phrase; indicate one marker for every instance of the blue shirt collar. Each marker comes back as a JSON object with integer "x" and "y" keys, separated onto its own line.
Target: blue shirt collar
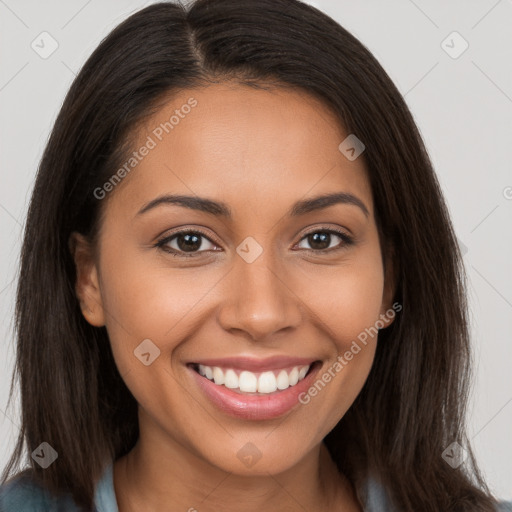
{"x": 372, "y": 494}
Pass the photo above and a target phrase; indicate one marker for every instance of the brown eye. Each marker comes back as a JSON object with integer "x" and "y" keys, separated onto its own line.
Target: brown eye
{"x": 188, "y": 242}
{"x": 321, "y": 240}
{"x": 184, "y": 242}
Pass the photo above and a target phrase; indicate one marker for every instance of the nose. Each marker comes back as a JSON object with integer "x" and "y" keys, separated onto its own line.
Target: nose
{"x": 258, "y": 300}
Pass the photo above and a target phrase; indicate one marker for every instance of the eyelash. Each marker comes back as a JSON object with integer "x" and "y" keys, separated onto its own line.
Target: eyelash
{"x": 161, "y": 244}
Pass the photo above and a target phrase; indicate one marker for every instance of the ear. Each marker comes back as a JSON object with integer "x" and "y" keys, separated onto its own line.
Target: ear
{"x": 390, "y": 285}
{"x": 87, "y": 287}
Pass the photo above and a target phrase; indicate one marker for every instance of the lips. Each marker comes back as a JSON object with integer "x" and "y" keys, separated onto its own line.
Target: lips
{"x": 255, "y": 389}
{"x": 254, "y": 382}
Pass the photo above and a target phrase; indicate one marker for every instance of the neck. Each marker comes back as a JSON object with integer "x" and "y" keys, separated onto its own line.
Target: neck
{"x": 149, "y": 476}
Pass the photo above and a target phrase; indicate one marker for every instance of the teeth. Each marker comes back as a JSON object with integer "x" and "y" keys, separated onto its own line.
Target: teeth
{"x": 218, "y": 376}
{"x": 302, "y": 372}
{"x": 249, "y": 382}
{"x": 208, "y": 372}
{"x": 231, "y": 379}
{"x": 293, "y": 378}
{"x": 267, "y": 383}
{"x": 283, "y": 381}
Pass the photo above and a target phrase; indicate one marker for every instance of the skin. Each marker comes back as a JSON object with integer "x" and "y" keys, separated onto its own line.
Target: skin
{"x": 259, "y": 152}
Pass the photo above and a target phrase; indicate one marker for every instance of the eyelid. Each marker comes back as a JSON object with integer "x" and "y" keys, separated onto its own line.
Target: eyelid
{"x": 332, "y": 229}
{"x": 163, "y": 240}
{"x": 346, "y": 238}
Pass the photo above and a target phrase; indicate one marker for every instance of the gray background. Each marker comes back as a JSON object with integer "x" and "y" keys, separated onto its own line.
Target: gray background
{"x": 463, "y": 107}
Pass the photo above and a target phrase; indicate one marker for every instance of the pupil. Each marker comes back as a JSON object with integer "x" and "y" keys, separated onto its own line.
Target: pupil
{"x": 323, "y": 239}
{"x": 192, "y": 242}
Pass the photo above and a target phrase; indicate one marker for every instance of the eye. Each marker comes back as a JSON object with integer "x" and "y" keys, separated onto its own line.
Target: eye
{"x": 321, "y": 239}
{"x": 190, "y": 242}
{"x": 187, "y": 241}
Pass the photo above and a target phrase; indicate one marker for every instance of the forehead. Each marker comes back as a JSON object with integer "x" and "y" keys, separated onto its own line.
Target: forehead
{"x": 249, "y": 147}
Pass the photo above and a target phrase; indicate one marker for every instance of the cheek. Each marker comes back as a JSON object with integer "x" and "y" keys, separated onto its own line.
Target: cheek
{"x": 148, "y": 311}
{"x": 151, "y": 301}
{"x": 347, "y": 311}
{"x": 345, "y": 300}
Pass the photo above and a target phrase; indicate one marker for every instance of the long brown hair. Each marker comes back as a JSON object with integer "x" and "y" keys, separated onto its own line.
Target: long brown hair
{"x": 413, "y": 404}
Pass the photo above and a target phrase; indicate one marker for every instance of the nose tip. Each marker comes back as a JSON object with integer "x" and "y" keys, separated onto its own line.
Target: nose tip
{"x": 258, "y": 301}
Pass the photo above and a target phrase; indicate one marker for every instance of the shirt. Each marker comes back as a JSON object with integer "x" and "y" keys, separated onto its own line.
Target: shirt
{"x": 23, "y": 495}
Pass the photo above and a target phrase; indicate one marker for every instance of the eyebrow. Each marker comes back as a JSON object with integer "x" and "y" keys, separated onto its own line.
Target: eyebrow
{"x": 221, "y": 209}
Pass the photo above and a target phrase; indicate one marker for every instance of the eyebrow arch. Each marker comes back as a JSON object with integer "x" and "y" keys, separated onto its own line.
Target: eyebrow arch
{"x": 222, "y": 209}
{"x": 326, "y": 200}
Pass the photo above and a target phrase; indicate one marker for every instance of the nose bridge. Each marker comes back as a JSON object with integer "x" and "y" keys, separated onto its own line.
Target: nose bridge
{"x": 258, "y": 300}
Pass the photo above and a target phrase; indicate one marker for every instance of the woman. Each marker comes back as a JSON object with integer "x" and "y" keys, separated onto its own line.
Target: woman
{"x": 229, "y": 296}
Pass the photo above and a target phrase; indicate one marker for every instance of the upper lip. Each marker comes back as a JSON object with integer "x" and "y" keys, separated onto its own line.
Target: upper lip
{"x": 256, "y": 364}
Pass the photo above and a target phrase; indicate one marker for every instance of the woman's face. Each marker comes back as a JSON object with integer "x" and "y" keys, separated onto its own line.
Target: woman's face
{"x": 248, "y": 293}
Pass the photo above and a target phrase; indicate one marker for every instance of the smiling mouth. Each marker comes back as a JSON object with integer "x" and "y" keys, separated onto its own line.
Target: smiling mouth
{"x": 246, "y": 382}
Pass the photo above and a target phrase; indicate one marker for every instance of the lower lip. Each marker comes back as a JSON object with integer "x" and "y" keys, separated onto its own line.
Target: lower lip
{"x": 255, "y": 407}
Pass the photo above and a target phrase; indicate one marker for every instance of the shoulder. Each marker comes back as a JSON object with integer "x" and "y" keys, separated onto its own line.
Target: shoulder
{"x": 23, "y": 494}
{"x": 374, "y": 497}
